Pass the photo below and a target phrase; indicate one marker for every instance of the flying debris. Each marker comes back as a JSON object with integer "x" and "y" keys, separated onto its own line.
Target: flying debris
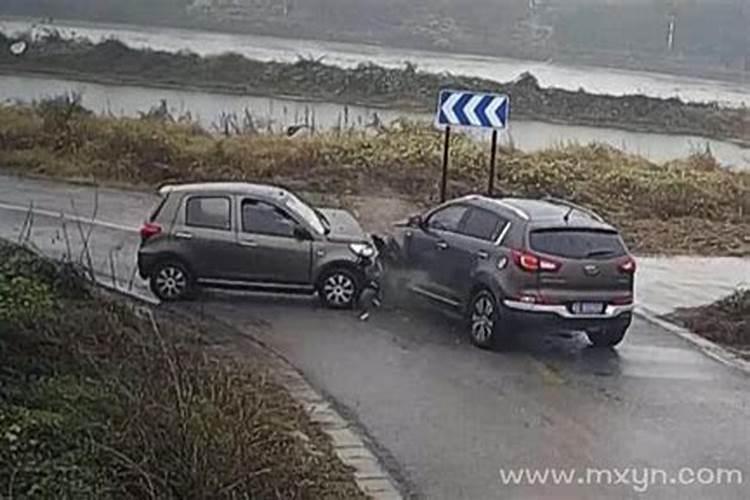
{"x": 18, "y": 48}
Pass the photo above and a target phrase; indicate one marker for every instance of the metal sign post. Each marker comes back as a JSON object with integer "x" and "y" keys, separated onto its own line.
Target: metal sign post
{"x": 493, "y": 154}
{"x": 444, "y": 179}
{"x": 471, "y": 109}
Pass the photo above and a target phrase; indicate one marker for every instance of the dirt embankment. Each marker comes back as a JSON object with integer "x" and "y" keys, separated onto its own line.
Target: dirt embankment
{"x": 100, "y": 399}
{"x": 687, "y": 206}
{"x": 726, "y": 321}
{"x": 407, "y": 87}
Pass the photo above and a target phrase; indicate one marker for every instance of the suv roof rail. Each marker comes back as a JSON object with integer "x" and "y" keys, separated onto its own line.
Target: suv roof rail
{"x": 574, "y": 206}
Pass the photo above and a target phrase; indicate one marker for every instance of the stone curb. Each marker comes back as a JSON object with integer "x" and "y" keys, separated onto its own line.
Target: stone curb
{"x": 707, "y": 347}
{"x": 369, "y": 474}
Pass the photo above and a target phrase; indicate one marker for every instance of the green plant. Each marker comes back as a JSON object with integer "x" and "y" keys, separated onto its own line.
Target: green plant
{"x": 23, "y": 300}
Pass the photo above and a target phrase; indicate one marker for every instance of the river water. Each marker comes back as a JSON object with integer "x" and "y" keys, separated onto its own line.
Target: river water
{"x": 277, "y": 114}
{"x": 592, "y": 79}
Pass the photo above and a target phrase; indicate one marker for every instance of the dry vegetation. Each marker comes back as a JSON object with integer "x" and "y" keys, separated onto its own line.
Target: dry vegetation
{"x": 99, "y": 400}
{"x": 688, "y": 206}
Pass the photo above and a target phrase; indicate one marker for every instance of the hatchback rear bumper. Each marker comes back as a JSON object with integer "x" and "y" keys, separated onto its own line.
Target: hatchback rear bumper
{"x": 549, "y": 316}
{"x": 146, "y": 264}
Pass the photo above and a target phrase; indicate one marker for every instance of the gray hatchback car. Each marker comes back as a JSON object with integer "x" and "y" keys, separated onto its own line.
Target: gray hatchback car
{"x": 251, "y": 236}
{"x": 511, "y": 263}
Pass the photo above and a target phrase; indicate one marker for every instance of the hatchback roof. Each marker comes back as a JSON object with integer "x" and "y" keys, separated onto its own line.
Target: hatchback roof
{"x": 264, "y": 190}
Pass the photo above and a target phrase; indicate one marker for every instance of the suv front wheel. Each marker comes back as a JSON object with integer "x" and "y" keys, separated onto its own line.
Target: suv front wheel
{"x": 487, "y": 328}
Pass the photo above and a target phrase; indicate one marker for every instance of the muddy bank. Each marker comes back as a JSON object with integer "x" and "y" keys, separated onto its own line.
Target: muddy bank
{"x": 405, "y": 88}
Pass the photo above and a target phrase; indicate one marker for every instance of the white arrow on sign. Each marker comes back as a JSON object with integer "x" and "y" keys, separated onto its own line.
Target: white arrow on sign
{"x": 492, "y": 112}
{"x": 448, "y": 107}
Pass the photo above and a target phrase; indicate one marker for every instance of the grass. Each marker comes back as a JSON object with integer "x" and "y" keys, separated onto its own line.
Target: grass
{"x": 687, "y": 206}
{"x": 100, "y": 399}
{"x": 726, "y": 321}
{"x": 405, "y": 87}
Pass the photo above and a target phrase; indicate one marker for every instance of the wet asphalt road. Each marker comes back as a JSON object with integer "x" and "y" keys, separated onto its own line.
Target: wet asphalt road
{"x": 445, "y": 416}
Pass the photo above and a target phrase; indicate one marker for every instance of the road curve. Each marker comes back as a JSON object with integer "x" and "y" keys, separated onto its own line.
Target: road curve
{"x": 446, "y": 417}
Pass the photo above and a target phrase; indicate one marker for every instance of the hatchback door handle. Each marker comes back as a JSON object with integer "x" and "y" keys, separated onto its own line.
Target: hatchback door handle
{"x": 248, "y": 243}
{"x": 184, "y": 235}
{"x": 482, "y": 254}
{"x": 441, "y": 245}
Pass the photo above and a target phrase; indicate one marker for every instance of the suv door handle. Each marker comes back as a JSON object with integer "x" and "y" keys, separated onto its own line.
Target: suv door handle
{"x": 482, "y": 254}
{"x": 247, "y": 243}
{"x": 183, "y": 235}
{"x": 441, "y": 245}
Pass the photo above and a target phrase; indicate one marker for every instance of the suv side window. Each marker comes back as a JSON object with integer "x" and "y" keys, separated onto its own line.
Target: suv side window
{"x": 210, "y": 212}
{"x": 482, "y": 224}
{"x": 447, "y": 218}
{"x": 259, "y": 217}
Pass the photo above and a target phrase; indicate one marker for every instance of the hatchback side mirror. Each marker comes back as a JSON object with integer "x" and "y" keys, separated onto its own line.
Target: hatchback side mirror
{"x": 301, "y": 233}
{"x": 416, "y": 221}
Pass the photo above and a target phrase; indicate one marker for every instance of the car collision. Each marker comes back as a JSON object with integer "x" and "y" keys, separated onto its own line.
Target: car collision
{"x": 505, "y": 265}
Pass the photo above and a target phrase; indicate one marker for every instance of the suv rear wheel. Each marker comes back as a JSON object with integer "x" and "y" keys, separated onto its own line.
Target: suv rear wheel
{"x": 170, "y": 281}
{"x": 487, "y": 328}
{"x": 607, "y": 336}
{"x": 339, "y": 288}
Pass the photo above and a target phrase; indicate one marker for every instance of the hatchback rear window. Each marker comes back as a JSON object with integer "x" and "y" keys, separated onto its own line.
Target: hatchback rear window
{"x": 577, "y": 243}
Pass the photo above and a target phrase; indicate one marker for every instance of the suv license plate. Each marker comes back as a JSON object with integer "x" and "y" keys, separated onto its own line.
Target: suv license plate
{"x": 587, "y": 307}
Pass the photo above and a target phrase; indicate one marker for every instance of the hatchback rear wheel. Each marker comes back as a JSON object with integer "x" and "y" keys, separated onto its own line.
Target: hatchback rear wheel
{"x": 171, "y": 281}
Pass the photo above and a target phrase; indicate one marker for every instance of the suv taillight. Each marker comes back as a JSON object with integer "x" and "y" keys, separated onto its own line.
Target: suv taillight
{"x": 533, "y": 263}
{"x": 627, "y": 266}
{"x": 149, "y": 229}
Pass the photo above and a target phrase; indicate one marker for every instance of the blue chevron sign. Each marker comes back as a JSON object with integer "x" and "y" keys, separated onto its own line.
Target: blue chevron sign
{"x": 472, "y": 109}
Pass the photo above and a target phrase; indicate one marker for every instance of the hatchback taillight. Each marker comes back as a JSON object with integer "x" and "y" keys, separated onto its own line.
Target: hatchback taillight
{"x": 533, "y": 263}
{"x": 149, "y": 229}
{"x": 627, "y": 266}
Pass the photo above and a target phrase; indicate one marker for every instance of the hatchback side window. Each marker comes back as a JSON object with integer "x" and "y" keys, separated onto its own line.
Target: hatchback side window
{"x": 482, "y": 224}
{"x": 259, "y": 217}
{"x": 211, "y": 212}
{"x": 448, "y": 218}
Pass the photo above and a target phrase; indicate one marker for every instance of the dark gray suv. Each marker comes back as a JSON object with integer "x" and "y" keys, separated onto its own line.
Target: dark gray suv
{"x": 239, "y": 235}
{"x": 511, "y": 263}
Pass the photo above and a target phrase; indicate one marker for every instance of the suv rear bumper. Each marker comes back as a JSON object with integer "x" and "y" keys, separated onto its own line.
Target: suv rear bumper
{"x": 559, "y": 316}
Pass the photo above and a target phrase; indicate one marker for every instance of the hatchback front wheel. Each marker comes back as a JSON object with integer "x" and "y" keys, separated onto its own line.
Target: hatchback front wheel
{"x": 339, "y": 289}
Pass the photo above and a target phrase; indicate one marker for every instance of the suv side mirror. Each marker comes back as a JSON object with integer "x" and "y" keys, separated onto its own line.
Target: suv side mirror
{"x": 301, "y": 233}
{"x": 416, "y": 221}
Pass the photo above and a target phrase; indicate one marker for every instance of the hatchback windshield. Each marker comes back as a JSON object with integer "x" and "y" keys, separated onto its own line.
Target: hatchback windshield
{"x": 306, "y": 212}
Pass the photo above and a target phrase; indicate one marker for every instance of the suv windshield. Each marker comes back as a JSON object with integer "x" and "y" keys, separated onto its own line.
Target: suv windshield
{"x": 306, "y": 212}
{"x": 577, "y": 243}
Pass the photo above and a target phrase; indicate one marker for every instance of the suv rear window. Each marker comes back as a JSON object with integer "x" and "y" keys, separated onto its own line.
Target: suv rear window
{"x": 577, "y": 243}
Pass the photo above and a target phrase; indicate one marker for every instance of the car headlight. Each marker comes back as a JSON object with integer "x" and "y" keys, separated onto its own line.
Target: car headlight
{"x": 362, "y": 250}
